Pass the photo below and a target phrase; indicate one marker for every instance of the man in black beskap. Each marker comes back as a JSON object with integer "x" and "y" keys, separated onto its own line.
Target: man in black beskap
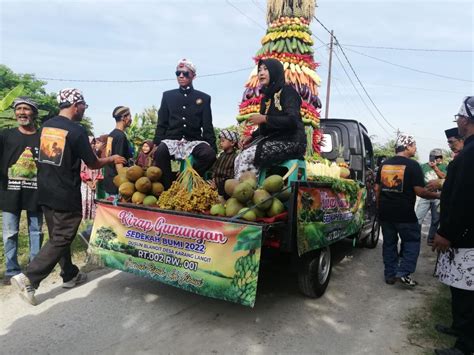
{"x": 19, "y": 149}
{"x": 184, "y": 126}
{"x": 63, "y": 144}
{"x": 399, "y": 180}
{"x": 455, "y": 237}
{"x": 117, "y": 143}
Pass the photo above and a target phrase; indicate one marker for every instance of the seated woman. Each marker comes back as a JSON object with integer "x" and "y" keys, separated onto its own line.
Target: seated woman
{"x": 280, "y": 134}
{"x": 146, "y": 155}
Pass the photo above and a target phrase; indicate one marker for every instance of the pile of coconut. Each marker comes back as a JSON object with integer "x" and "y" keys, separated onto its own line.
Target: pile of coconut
{"x": 251, "y": 201}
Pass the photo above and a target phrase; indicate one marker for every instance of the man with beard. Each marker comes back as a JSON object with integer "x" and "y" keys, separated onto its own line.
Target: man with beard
{"x": 184, "y": 126}
{"x": 59, "y": 187}
{"x": 455, "y": 237}
{"x": 18, "y": 186}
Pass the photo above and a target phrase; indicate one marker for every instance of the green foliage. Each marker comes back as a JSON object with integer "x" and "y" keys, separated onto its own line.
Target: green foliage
{"x": 386, "y": 149}
{"x": 86, "y": 122}
{"x": 250, "y": 238}
{"x": 7, "y": 101}
{"x": 143, "y": 127}
{"x": 32, "y": 87}
{"x": 349, "y": 187}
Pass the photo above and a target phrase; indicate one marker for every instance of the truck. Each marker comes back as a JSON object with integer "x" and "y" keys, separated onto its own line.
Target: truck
{"x": 220, "y": 256}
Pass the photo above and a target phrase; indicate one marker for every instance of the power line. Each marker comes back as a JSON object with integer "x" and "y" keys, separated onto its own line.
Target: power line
{"x": 145, "y": 80}
{"x": 362, "y": 85}
{"x": 258, "y": 6}
{"x": 360, "y": 96}
{"x": 410, "y": 68}
{"x": 244, "y": 14}
{"x": 412, "y": 49}
{"x": 355, "y": 74}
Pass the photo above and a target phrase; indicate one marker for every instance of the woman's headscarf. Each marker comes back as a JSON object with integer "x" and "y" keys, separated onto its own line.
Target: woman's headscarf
{"x": 145, "y": 159}
{"x": 277, "y": 76}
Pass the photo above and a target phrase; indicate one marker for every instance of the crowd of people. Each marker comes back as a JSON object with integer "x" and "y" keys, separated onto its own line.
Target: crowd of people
{"x": 56, "y": 172}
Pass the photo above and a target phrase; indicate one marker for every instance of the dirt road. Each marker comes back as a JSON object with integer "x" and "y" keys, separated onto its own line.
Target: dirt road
{"x": 119, "y": 313}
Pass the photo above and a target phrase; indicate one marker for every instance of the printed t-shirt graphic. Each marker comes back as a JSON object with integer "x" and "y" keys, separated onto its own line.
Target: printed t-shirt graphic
{"x": 25, "y": 167}
{"x": 392, "y": 178}
{"x": 52, "y": 143}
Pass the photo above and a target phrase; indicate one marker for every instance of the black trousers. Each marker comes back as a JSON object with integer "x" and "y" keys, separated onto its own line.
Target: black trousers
{"x": 204, "y": 156}
{"x": 462, "y": 303}
{"x": 62, "y": 228}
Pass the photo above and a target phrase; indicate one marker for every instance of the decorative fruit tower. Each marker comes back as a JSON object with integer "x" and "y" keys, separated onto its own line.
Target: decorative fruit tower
{"x": 288, "y": 39}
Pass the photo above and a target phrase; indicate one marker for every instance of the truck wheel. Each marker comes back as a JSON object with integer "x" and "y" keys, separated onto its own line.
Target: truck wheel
{"x": 373, "y": 239}
{"x": 314, "y": 272}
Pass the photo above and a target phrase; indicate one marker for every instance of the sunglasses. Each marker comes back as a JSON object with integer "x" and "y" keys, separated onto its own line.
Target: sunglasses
{"x": 186, "y": 74}
{"x": 457, "y": 117}
{"x": 86, "y": 106}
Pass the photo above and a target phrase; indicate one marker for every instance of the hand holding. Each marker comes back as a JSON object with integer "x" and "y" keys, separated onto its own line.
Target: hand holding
{"x": 257, "y": 119}
{"x": 440, "y": 243}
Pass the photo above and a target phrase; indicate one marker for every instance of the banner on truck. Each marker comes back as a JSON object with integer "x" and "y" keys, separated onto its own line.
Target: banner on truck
{"x": 325, "y": 216}
{"x": 209, "y": 257}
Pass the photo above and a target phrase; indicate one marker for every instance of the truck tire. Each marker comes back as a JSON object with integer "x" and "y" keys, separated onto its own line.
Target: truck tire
{"x": 373, "y": 238}
{"x": 314, "y": 272}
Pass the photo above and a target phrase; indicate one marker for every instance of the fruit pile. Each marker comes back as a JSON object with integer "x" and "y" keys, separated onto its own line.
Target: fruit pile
{"x": 288, "y": 39}
{"x": 189, "y": 193}
{"x": 139, "y": 186}
{"x": 268, "y": 199}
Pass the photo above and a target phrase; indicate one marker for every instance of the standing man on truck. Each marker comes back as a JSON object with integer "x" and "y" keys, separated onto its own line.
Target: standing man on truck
{"x": 184, "y": 126}
{"x": 399, "y": 180}
{"x": 455, "y": 237}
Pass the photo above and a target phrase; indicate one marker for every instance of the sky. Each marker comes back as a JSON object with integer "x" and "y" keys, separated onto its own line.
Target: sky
{"x": 110, "y": 40}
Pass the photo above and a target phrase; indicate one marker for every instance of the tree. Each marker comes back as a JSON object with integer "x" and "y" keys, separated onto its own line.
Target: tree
{"x": 386, "y": 149}
{"x": 32, "y": 87}
{"x": 143, "y": 127}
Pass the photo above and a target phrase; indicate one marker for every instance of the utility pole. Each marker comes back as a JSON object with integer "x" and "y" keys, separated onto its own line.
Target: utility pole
{"x": 328, "y": 89}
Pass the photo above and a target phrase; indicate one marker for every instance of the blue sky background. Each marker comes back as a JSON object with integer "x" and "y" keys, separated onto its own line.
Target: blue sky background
{"x": 140, "y": 40}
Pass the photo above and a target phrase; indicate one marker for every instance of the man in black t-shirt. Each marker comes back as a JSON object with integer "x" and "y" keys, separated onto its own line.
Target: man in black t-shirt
{"x": 117, "y": 143}
{"x": 59, "y": 188}
{"x": 18, "y": 184}
{"x": 399, "y": 180}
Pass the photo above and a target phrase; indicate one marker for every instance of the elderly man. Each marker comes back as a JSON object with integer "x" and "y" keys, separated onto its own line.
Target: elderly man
{"x": 434, "y": 169}
{"x": 59, "y": 187}
{"x": 455, "y": 237}
{"x": 18, "y": 186}
{"x": 399, "y": 180}
{"x": 184, "y": 125}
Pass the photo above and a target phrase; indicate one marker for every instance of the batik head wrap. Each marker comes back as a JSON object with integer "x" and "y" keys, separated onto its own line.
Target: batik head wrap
{"x": 404, "y": 140}
{"x": 26, "y": 100}
{"x": 229, "y": 135}
{"x": 69, "y": 96}
{"x": 184, "y": 63}
{"x": 467, "y": 107}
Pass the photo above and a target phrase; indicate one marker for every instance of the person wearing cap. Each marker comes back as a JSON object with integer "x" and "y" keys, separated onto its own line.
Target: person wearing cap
{"x": 117, "y": 144}
{"x": 59, "y": 189}
{"x": 456, "y": 144}
{"x": 399, "y": 180}
{"x": 19, "y": 149}
{"x": 434, "y": 169}
{"x": 184, "y": 125}
{"x": 223, "y": 168}
{"x": 455, "y": 237}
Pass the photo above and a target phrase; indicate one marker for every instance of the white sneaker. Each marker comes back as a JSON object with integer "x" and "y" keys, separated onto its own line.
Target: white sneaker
{"x": 24, "y": 288}
{"x": 80, "y": 278}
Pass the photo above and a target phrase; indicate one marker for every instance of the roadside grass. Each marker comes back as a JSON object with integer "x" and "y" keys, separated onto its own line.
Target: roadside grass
{"x": 421, "y": 322}
{"x": 78, "y": 247}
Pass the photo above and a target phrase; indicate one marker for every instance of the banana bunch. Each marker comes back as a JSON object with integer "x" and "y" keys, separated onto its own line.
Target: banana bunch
{"x": 244, "y": 282}
{"x": 323, "y": 168}
{"x": 302, "y": 35}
